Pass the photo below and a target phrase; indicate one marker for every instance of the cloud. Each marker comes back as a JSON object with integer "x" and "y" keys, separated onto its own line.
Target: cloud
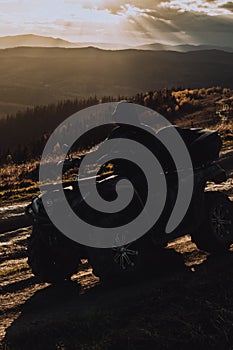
{"x": 207, "y": 22}
{"x": 208, "y": 7}
{"x": 135, "y": 21}
{"x": 191, "y": 21}
{"x": 170, "y": 25}
{"x": 228, "y": 6}
{"x": 118, "y": 7}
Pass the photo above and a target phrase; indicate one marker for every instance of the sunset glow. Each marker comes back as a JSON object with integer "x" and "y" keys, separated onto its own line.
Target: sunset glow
{"x": 127, "y": 22}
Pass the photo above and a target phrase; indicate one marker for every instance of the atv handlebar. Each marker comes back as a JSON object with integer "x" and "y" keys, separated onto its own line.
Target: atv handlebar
{"x": 70, "y": 163}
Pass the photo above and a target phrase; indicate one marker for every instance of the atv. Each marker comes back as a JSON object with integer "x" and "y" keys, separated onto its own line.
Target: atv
{"x": 54, "y": 257}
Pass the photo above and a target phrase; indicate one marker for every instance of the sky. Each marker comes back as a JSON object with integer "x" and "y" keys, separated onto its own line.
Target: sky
{"x": 130, "y": 22}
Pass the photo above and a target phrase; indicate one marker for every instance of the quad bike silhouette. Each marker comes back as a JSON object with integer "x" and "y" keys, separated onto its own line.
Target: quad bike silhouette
{"x": 209, "y": 219}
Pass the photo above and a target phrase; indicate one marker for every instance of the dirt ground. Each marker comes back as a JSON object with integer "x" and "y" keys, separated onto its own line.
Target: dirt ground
{"x": 187, "y": 301}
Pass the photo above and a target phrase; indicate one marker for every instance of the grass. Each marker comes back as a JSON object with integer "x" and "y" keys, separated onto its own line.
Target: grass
{"x": 19, "y": 182}
{"x": 12, "y": 270}
{"x": 226, "y": 131}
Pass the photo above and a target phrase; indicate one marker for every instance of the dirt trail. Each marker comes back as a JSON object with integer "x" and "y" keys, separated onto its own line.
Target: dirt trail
{"x": 12, "y": 217}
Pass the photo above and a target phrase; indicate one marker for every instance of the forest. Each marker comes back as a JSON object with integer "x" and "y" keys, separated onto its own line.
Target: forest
{"x": 23, "y": 135}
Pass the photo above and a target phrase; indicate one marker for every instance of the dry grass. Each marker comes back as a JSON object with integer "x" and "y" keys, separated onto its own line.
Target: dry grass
{"x": 14, "y": 269}
{"x": 19, "y": 182}
{"x": 226, "y": 130}
{"x": 14, "y": 174}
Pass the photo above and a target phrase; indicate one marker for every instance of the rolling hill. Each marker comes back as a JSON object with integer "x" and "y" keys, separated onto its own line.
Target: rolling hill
{"x": 182, "y": 48}
{"x": 32, "y": 40}
{"x": 32, "y": 76}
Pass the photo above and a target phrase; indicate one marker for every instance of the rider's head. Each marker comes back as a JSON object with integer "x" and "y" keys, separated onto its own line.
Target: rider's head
{"x": 125, "y": 112}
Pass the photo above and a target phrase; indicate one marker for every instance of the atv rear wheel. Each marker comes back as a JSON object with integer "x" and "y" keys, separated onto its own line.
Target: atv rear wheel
{"x": 215, "y": 235}
{"x": 52, "y": 257}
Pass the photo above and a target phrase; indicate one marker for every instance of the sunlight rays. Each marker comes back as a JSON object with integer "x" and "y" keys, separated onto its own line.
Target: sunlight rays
{"x": 131, "y": 22}
{"x": 159, "y": 30}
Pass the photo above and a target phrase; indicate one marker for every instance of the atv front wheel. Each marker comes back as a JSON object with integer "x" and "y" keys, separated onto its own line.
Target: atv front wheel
{"x": 215, "y": 235}
{"x": 52, "y": 257}
{"x": 122, "y": 262}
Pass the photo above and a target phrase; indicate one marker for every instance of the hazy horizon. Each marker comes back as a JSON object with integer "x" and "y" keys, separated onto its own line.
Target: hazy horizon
{"x": 83, "y": 41}
{"x": 34, "y": 40}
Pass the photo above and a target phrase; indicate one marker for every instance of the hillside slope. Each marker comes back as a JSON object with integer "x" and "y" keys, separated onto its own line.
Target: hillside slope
{"x": 32, "y": 76}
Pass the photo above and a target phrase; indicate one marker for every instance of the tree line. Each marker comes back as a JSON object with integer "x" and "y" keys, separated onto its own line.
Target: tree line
{"x": 24, "y": 135}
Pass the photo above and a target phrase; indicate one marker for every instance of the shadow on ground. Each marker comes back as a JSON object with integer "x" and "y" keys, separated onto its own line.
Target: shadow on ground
{"x": 174, "y": 307}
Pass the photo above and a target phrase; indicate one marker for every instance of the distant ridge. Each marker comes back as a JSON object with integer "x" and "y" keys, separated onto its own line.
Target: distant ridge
{"x": 182, "y": 48}
{"x": 32, "y": 40}
{"x": 38, "y": 76}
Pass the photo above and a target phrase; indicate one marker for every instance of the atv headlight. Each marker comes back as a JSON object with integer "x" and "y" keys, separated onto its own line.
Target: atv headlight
{"x": 35, "y": 205}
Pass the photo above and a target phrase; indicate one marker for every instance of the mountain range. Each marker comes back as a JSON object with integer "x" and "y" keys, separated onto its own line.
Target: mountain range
{"x": 38, "y": 76}
{"x": 182, "y": 48}
{"x": 31, "y": 40}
